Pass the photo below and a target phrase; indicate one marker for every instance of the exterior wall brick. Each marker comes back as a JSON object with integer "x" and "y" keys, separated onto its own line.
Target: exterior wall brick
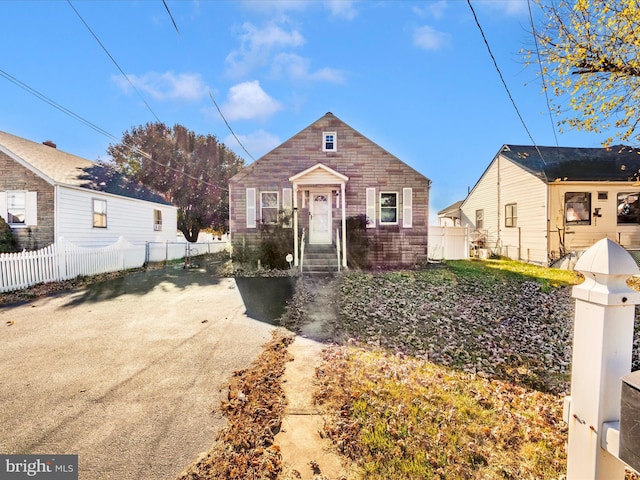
{"x": 365, "y": 163}
{"x": 16, "y": 177}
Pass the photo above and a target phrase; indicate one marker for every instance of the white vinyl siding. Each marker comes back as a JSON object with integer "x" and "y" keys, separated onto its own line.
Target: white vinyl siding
{"x": 371, "y": 207}
{"x": 493, "y": 191}
{"x": 251, "y": 207}
{"x": 129, "y": 218}
{"x": 407, "y": 207}
{"x": 287, "y": 206}
{"x": 527, "y": 239}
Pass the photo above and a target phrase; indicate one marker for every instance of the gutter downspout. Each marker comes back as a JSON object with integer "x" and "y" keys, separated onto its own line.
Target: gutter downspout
{"x": 296, "y": 260}
{"x": 344, "y": 225}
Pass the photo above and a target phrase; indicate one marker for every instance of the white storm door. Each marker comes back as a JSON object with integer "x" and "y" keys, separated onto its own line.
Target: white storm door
{"x": 320, "y": 221}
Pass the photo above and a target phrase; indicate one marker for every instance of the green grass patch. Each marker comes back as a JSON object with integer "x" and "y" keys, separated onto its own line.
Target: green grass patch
{"x": 404, "y": 418}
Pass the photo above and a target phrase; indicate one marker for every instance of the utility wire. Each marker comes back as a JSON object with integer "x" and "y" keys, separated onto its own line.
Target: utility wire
{"x": 544, "y": 82}
{"x": 113, "y": 59}
{"x": 211, "y": 95}
{"x": 171, "y": 16}
{"x": 504, "y": 83}
{"x": 95, "y": 127}
{"x": 229, "y": 126}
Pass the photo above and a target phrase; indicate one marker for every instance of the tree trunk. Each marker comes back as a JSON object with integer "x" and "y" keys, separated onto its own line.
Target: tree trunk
{"x": 190, "y": 234}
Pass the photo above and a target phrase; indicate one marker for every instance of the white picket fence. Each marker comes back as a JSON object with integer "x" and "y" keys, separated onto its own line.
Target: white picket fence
{"x": 63, "y": 260}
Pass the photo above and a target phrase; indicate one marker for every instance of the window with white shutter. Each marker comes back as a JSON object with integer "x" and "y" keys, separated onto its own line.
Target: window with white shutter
{"x": 371, "y": 207}
{"x": 251, "y": 208}
{"x": 407, "y": 207}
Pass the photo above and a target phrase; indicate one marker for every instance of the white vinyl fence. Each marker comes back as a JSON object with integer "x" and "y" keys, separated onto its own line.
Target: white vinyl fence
{"x": 64, "y": 260}
{"x": 448, "y": 243}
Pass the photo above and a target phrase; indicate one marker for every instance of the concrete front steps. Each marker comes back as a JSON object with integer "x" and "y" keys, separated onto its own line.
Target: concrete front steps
{"x": 320, "y": 259}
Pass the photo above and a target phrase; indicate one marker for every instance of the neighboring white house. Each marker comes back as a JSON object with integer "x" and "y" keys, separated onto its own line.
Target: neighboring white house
{"x": 540, "y": 203}
{"x": 46, "y": 194}
{"x": 450, "y": 216}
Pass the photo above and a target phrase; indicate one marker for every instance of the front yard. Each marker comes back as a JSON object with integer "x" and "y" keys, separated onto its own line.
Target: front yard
{"x": 457, "y": 371}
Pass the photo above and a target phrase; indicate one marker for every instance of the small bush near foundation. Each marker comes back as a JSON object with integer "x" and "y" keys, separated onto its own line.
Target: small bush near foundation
{"x": 8, "y": 243}
{"x": 358, "y": 242}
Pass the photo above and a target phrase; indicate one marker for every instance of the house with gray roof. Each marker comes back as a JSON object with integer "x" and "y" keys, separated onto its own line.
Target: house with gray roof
{"x": 540, "y": 204}
{"x": 46, "y": 193}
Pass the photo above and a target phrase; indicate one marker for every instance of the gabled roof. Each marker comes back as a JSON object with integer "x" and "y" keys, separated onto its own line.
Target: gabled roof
{"x": 617, "y": 163}
{"x": 62, "y": 168}
{"x": 453, "y": 209}
{"x": 260, "y": 165}
{"x": 319, "y": 166}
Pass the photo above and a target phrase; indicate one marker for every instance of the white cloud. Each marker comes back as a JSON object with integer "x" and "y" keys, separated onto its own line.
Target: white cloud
{"x": 165, "y": 86}
{"x": 433, "y": 9}
{"x": 342, "y": 8}
{"x": 428, "y": 38}
{"x": 508, "y": 7}
{"x": 299, "y": 68}
{"x": 257, "y": 143}
{"x": 256, "y": 45}
{"x": 248, "y": 100}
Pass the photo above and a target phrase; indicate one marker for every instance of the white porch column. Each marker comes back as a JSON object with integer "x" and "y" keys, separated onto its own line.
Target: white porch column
{"x": 602, "y": 343}
{"x": 296, "y": 260}
{"x": 344, "y": 225}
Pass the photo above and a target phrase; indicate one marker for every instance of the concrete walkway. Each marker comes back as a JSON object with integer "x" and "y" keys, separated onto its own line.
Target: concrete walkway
{"x": 305, "y": 453}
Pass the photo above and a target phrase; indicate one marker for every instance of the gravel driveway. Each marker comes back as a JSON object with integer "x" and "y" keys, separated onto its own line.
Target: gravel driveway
{"x": 127, "y": 374}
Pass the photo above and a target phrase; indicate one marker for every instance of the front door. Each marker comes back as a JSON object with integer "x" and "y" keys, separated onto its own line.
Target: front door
{"x": 320, "y": 221}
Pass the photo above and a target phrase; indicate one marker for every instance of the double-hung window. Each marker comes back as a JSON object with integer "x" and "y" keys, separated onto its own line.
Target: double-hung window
{"x": 269, "y": 207}
{"x": 388, "y": 208}
{"x": 577, "y": 208}
{"x": 16, "y": 208}
{"x": 329, "y": 142}
{"x": 99, "y": 213}
{"x": 511, "y": 215}
{"x": 480, "y": 219}
{"x": 157, "y": 220}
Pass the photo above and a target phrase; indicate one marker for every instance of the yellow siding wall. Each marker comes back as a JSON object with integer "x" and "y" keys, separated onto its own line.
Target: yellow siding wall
{"x": 581, "y": 237}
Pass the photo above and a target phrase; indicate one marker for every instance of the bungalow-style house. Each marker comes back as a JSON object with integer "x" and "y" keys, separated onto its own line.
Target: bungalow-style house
{"x": 539, "y": 204}
{"x": 324, "y": 175}
{"x": 46, "y": 194}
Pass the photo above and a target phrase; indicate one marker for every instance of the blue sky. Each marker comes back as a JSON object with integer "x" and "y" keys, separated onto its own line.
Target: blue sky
{"x": 414, "y": 77}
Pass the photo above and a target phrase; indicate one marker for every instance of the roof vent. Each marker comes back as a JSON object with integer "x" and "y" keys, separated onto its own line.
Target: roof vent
{"x": 49, "y": 143}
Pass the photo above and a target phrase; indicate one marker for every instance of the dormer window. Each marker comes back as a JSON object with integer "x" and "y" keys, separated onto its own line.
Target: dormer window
{"x": 329, "y": 142}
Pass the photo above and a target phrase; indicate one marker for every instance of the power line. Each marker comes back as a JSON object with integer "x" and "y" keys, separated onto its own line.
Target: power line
{"x": 95, "y": 127}
{"x": 171, "y": 16}
{"x": 544, "y": 83}
{"x": 504, "y": 83}
{"x": 229, "y": 126}
{"x": 211, "y": 95}
{"x": 113, "y": 59}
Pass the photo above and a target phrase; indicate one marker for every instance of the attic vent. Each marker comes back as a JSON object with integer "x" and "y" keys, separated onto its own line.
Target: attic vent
{"x": 49, "y": 143}
{"x": 523, "y": 155}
